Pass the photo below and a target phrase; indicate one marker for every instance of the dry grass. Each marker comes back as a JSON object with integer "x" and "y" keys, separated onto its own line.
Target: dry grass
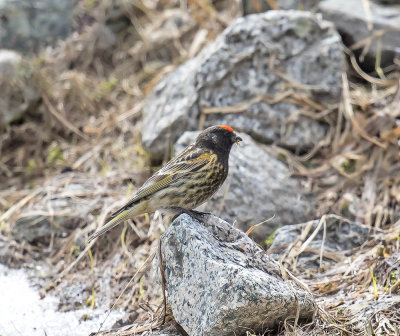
{"x": 85, "y": 122}
{"x": 357, "y": 290}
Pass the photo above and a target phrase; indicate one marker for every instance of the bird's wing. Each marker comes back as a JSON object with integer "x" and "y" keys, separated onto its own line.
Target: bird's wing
{"x": 189, "y": 161}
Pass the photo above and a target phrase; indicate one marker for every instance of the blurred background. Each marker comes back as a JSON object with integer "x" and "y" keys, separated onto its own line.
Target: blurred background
{"x": 97, "y": 94}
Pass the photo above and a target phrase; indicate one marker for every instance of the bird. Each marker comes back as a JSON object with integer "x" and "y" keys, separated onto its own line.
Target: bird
{"x": 185, "y": 182}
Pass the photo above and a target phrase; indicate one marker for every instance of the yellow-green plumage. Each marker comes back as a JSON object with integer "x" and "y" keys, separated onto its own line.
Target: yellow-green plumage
{"x": 185, "y": 182}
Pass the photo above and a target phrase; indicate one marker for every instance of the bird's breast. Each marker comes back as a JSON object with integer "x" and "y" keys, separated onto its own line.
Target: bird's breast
{"x": 191, "y": 190}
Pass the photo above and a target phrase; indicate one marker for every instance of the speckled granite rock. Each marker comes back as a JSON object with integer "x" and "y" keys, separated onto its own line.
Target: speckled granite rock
{"x": 219, "y": 282}
{"x": 249, "y": 66}
{"x": 258, "y": 187}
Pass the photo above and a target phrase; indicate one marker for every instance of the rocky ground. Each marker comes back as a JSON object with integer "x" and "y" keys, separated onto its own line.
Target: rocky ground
{"x": 96, "y": 95}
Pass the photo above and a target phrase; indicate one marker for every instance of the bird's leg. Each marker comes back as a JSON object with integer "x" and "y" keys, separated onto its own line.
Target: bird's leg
{"x": 162, "y": 282}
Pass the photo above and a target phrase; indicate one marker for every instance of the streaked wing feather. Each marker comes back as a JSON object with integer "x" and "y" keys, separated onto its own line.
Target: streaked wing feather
{"x": 185, "y": 163}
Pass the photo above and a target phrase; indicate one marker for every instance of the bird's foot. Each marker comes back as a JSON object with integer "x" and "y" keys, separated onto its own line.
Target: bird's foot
{"x": 195, "y": 214}
{"x": 198, "y": 215}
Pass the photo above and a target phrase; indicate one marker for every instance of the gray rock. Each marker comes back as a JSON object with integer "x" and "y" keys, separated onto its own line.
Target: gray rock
{"x": 37, "y": 228}
{"x": 59, "y": 216}
{"x": 27, "y": 25}
{"x": 8, "y": 61}
{"x": 351, "y": 21}
{"x": 341, "y": 235}
{"x": 257, "y": 188}
{"x": 17, "y": 94}
{"x": 219, "y": 282}
{"x": 235, "y": 71}
{"x": 171, "y": 109}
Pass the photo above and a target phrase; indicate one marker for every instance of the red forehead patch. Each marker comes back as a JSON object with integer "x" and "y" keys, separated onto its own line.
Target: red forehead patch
{"x": 228, "y": 128}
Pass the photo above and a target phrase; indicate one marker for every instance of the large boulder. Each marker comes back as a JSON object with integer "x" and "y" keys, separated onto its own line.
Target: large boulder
{"x": 257, "y": 76}
{"x": 352, "y": 21}
{"x": 258, "y": 187}
{"x": 219, "y": 282}
{"x": 27, "y": 25}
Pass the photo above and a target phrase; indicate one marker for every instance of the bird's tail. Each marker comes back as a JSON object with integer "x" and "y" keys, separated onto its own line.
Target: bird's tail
{"x": 119, "y": 216}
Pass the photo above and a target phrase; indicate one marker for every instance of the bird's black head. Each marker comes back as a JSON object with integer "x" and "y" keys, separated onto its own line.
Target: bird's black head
{"x": 218, "y": 138}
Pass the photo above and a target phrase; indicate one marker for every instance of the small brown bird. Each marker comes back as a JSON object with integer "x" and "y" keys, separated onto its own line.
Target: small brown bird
{"x": 186, "y": 181}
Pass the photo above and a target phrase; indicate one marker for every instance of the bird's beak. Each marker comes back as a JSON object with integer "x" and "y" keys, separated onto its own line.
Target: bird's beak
{"x": 237, "y": 140}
